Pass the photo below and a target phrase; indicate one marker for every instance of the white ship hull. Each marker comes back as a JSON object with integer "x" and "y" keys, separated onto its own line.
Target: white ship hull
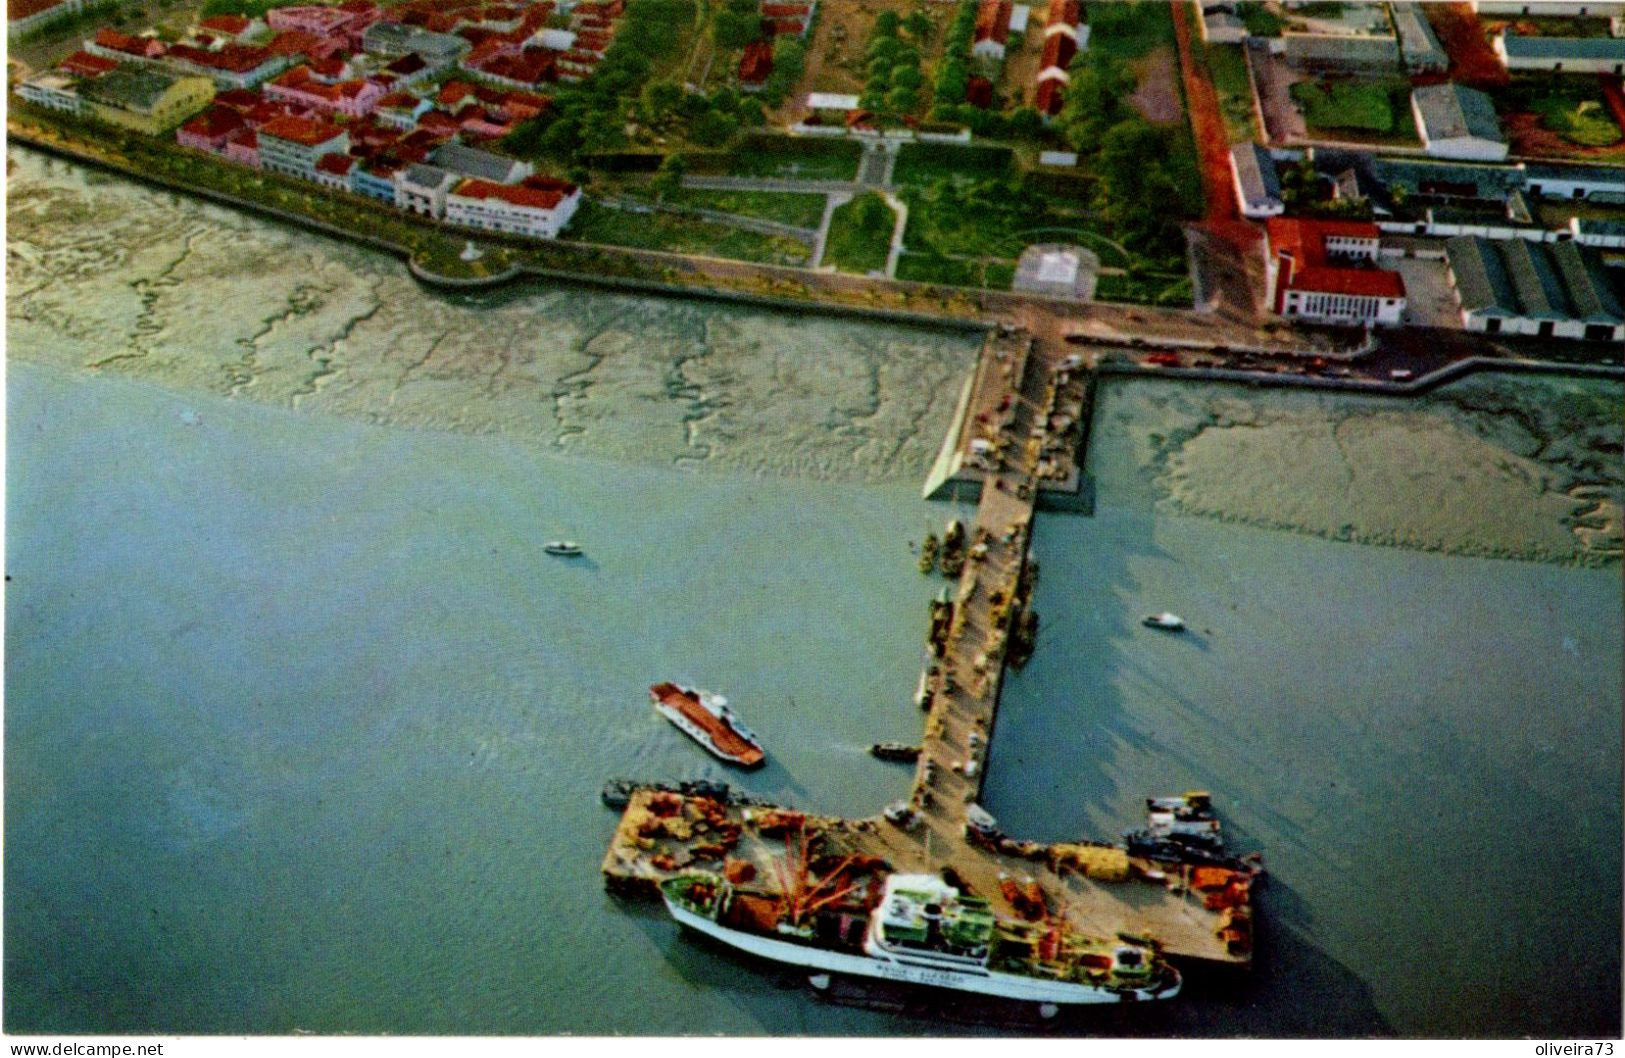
{"x": 980, "y": 981}
{"x": 696, "y": 732}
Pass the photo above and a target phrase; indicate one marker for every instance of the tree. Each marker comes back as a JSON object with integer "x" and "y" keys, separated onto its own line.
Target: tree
{"x": 918, "y": 25}
{"x": 668, "y": 179}
{"x": 902, "y": 100}
{"x": 660, "y": 98}
{"x": 714, "y": 129}
{"x": 886, "y": 24}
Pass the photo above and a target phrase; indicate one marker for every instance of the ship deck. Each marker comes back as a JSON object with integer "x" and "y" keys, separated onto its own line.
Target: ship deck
{"x": 1099, "y": 889}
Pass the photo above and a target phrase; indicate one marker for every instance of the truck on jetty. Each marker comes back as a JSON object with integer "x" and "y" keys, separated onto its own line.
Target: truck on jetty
{"x": 921, "y": 930}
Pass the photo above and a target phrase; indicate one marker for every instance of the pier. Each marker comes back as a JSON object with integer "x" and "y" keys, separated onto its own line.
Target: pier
{"x": 1017, "y": 437}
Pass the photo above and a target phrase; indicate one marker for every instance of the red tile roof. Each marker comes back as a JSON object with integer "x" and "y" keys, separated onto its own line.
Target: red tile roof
{"x": 305, "y": 131}
{"x": 215, "y": 123}
{"x": 231, "y": 25}
{"x": 337, "y": 164}
{"x": 517, "y": 194}
{"x": 979, "y": 92}
{"x": 1359, "y": 282}
{"x": 757, "y": 62}
{"x": 1058, "y": 51}
{"x": 1063, "y": 13}
{"x": 993, "y": 21}
{"x": 21, "y": 9}
{"x": 1048, "y": 98}
{"x": 86, "y": 64}
{"x": 233, "y": 58}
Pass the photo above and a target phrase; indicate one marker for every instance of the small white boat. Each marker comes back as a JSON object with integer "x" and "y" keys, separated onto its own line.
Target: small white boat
{"x": 1166, "y": 621}
{"x": 566, "y": 548}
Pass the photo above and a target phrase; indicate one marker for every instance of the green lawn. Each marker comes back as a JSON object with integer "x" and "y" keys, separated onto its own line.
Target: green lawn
{"x": 1128, "y": 30}
{"x": 797, "y": 210}
{"x": 1228, "y": 66}
{"x": 661, "y": 231}
{"x": 921, "y": 163}
{"x": 1260, "y": 20}
{"x": 1580, "y": 120}
{"x": 860, "y": 234}
{"x": 990, "y": 274}
{"x": 1364, "y": 106}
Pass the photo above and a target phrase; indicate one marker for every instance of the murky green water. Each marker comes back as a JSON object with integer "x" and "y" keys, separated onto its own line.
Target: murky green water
{"x": 303, "y": 731}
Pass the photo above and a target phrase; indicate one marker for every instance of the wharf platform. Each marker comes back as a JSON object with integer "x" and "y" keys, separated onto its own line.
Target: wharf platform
{"x": 1018, "y": 396}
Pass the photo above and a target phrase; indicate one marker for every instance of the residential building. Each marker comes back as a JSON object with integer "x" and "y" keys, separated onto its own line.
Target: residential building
{"x": 333, "y": 171}
{"x": 1458, "y": 122}
{"x": 374, "y": 179}
{"x": 439, "y": 51}
{"x": 1325, "y": 272}
{"x": 423, "y": 189}
{"x": 1609, "y": 234}
{"x": 54, "y": 90}
{"x": 792, "y": 19}
{"x": 538, "y": 207}
{"x": 84, "y": 64}
{"x": 992, "y": 29}
{"x": 149, "y": 101}
{"x": 1556, "y": 290}
{"x": 1605, "y": 55}
{"x": 1258, "y": 185}
{"x": 353, "y": 98}
{"x": 211, "y": 130}
{"x": 230, "y": 66}
{"x": 481, "y": 165}
{"x": 243, "y": 147}
{"x": 755, "y": 66}
{"x": 1419, "y": 47}
{"x": 122, "y": 48}
{"x": 294, "y": 145}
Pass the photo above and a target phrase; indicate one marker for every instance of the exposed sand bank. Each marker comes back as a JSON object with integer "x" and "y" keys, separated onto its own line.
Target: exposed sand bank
{"x": 159, "y": 287}
{"x": 1510, "y": 467}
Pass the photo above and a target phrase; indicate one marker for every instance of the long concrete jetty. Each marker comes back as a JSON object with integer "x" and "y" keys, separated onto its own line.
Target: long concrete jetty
{"x": 1027, "y": 387}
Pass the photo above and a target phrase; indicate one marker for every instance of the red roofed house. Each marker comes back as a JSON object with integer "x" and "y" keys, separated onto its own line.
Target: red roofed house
{"x": 355, "y": 98}
{"x": 1049, "y": 98}
{"x": 210, "y": 130}
{"x": 244, "y": 148}
{"x": 333, "y": 170}
{"x": 536, "y": 206}
{"x": 992, "y": 29}
{"x": 121, "y": 47}
{"x": 1325, "y": 271}
{"x": 755, "y": 66}
{"x": 84, "y": 64}
{"x": 232, "y": 66}
{"x": 979, "y": 92}
{"x": 787, "y": 19}
{"x": 294, "y": 145}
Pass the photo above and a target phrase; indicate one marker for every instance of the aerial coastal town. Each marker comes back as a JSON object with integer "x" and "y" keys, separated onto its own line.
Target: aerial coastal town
{"x": 1344, "y": 196}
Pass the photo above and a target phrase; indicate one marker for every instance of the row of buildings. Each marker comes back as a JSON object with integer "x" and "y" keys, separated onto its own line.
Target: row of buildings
{"x": 1406, "y": 41}
{"x": 353, "y": 102}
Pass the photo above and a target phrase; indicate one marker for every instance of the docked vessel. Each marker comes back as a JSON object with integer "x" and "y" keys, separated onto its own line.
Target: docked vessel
{"x": 706, "y": 718}
{"x": 900, "y": 751}
{"x": 923, "y": 931}
{"x": 563, "y": 548}
{"x": 952, "y": 560}
{"x": 928, "y": 553}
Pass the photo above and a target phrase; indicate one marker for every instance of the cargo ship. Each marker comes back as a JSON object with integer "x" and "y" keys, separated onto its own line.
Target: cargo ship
{"x": 923, "y": 931}
{"x": 706, "y": 718}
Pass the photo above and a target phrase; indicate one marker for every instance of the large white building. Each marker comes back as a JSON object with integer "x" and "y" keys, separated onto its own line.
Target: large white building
{"x": 1549, "y": 290}
{"x": 1605, "y": 55}
{"x": 1458, "y": 122}
{"x": 538, "y": 207}
{"x": 294, "y": 145}
{"x": 1325, "y": 271}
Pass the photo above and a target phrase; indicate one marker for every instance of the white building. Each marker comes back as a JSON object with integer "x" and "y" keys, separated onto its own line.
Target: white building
{"x": 1257, "y": 184}
{"x": 1548, "y": 290}
{"x": 53, "y": 90}
{"x": 294, "y": 145}
{"x": 539, "y": 207}
{"x": 1548, "y": 8}
{"x": 1458, "y": 122}
{"x": 1604, "y": 55}
{"x": 423, "y": 189}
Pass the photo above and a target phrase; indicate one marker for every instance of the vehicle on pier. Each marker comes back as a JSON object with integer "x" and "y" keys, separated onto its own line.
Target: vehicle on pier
{"x": 706, "y": 718}
{"x": 921, "y": 931}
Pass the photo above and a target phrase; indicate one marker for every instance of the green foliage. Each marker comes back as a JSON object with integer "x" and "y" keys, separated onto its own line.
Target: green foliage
{"x": 860, "y": 234}
{"x": 251, "y": 8}
{"x": 789, "y": 62}
{"x": 714, "y": 129}
{"x": 675, "y": 234}
{"x": 736, "y": 24}
{"x": 1227, "y": 67}
{"x": 1128, "y": 29}
{"x": 918, "y": 25}
{"x": 1142, "y": 171}
{"x": 668, "y": 179}
{"x": 1260, "y": 20}
{"x": 892, "y": 85}
{"x": 660, "y": 98}
{"x": 1096, "y": 99}
{"x": 1367, "y": 106}
{"x": 925, "y": 163}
